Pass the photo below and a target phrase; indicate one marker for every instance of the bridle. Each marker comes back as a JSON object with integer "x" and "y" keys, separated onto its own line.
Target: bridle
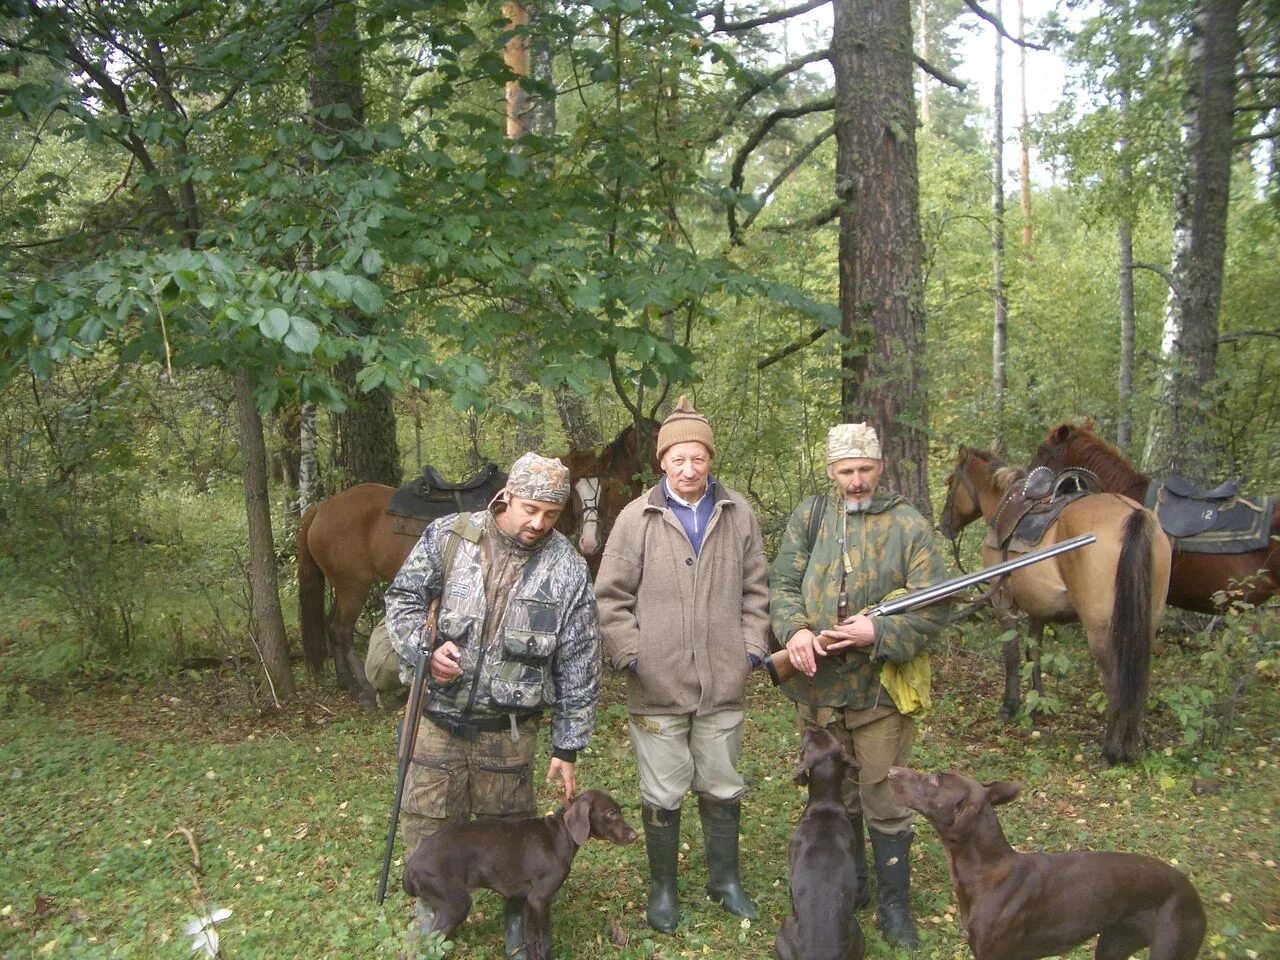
{"x": 948, "y": 508}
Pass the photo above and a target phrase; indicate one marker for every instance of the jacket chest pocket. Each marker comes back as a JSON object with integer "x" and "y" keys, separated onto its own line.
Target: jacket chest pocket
{"x": 524, "y": 680}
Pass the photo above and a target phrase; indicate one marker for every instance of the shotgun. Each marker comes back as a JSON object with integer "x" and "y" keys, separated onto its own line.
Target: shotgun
{"x": 408, "y": 738}
{"x": 779, "y": 664}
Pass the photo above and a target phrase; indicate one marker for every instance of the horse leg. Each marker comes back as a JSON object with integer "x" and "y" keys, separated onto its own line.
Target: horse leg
{"x": 1011, "y": 655}
{"x": 346, "y": 662}
{"x": 1033, "y": 656}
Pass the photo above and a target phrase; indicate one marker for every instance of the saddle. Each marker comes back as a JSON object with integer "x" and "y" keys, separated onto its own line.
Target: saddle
{"x": 1217, "y": 520}
{"x": 430, "y": 496}
{"x": 1030, "y": 507}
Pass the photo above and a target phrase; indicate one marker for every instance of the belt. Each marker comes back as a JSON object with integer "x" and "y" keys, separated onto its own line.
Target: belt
{"x": 472, "y": 728}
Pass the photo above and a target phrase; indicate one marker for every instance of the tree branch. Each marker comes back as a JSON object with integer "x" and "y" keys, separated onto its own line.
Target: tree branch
{"x": 720, "y": 25}
{"x": 801, "y": 156}
{"x": 793, "y": 347}
{"x": 939, "y": 74}
{"x": 820, "y": 219}
{"x": 1271, "y": 133}
{"x": 753, "y": 141}
{"x": 992, "y": 19}
{"x": 1160, "y": 272}
{"x": 1245, "y": 334}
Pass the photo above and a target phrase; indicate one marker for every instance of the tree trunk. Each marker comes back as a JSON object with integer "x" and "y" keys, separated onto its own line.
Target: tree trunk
{"x": 1024, "y": 134}
{"x": 266, "y": 622}
{"x": 880, "y": 244}
{"x": 1000, "y": 324}
{"x": 1128, "y": 321}
{"x": 924, "y": 55}
{"x": 1178, "y": 441}
{"x": 308, "y": 469}
{"x": 367, "y": 446}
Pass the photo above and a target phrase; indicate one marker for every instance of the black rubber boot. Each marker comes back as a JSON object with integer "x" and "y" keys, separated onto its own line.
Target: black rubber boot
{"x": 860, "y": 862}
{"x": 720, "y": 824}
{"x": 893, "y": 872}
{"x": 513, "y": 928}
{"x": 662, "y": 843}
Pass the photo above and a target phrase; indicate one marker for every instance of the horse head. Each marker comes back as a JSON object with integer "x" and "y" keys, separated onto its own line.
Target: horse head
{"x": 962, "y": 506}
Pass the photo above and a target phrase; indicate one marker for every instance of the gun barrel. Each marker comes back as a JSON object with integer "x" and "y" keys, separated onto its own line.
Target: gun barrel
{"x": 779, "y": 664}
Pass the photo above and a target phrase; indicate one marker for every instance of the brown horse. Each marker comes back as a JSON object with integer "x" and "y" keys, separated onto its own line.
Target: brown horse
{"x": 1198, "y": 581}
{"x": 349, "y": 542}
{"x": 605, "y": 481}
{"x": 1114, "y": 587}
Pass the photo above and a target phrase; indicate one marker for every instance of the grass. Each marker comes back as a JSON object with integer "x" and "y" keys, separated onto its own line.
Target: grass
{"x": 130, "y": 808}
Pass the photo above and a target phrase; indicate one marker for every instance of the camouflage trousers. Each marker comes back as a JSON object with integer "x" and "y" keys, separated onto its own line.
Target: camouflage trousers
{"x": 452, "y": 779}
{"x": 878, "y": 738}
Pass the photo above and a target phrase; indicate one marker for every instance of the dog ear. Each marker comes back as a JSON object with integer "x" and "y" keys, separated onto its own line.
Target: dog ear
{"x": 578, "y": 819}
{"x": 1001, "y": 791}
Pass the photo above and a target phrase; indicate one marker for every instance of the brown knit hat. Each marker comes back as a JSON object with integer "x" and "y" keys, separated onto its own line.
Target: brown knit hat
{"x": 685, "y": 423}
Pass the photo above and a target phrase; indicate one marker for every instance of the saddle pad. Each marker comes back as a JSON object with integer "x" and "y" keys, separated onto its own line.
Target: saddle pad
{"x": 1238, "y": 525}
{"x": 429, "y": 496}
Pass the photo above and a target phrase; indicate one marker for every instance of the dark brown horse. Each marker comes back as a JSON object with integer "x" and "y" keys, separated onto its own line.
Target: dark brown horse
{"x": 1198, "y": 581}
{"x": 348, "y": 541}
{"x": 1115, "y": 587}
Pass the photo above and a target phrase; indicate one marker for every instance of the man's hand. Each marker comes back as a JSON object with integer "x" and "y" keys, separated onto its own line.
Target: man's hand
{"x": 566, "y": 772}
{"x": 856, "y": 631}
{"x": 444, "y": 662}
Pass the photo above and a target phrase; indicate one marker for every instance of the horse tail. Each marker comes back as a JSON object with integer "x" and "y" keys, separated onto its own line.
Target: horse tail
{"x": 315, "y": 645}
{"x": 1131, "y": 618}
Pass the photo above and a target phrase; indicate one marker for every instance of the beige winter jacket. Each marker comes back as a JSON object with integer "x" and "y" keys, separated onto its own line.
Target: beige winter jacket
{"x": 689, "y": 623}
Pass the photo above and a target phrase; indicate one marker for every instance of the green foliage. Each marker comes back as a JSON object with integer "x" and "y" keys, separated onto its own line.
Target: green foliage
{"x": 1239, "y": 648}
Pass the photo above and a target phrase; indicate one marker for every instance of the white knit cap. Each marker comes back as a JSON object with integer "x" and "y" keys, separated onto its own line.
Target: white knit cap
{"x": 849, "y": 440}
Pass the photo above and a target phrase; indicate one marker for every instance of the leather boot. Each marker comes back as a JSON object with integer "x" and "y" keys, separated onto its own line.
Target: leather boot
{"x": 662, "y": 843}
{"x": 513, "y": 928}
{"x": 860, "y": 862}
{"x": 720, "y": 825}
{"x": 893, "y": 871}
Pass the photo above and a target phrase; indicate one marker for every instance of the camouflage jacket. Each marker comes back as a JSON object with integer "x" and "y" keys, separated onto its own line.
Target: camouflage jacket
{"x": 545, "y": 652}
{"x": 890, "y": 546}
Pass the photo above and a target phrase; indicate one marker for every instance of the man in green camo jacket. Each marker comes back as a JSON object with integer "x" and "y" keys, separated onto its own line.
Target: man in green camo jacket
{"x": 866, "y": 543}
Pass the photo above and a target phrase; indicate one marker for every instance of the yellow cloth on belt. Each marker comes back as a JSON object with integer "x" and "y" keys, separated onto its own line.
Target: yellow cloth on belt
{"x": 908, "y": 683}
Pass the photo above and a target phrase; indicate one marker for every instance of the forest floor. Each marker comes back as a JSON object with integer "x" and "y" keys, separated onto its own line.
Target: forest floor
{"x": 130, "y": 808}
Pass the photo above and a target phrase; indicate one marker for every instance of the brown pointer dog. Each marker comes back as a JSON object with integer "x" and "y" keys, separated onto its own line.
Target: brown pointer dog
{"x": 824, "y": 882}
{"x": 1025, "y": 906}
{"x": 526, "y": 857}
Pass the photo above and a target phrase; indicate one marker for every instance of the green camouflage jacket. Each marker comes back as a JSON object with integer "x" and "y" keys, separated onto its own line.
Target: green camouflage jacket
{"x": 890, "y": 546}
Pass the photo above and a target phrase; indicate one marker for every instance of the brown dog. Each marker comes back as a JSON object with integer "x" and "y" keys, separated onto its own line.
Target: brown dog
{"x": 1025, "y": 906}
{"x": 522, "y": 857}
{"x": 824, "y": 882}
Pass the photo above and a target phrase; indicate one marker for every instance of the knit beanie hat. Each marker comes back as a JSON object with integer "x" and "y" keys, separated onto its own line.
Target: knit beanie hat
{"x": 685, "y": 423}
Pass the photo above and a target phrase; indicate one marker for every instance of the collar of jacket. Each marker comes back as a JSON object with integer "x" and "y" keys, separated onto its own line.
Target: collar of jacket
{"x": 657, "y": 499}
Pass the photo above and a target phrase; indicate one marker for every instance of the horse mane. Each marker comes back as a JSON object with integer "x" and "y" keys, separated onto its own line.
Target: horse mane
{"x": 1003, "y": 475}
{"x": 1113, "y": 468}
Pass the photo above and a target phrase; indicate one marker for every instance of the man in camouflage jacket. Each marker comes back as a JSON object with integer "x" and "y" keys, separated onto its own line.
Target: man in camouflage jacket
{"x": 518, "y": 635}
{"x": 868, "y": 543}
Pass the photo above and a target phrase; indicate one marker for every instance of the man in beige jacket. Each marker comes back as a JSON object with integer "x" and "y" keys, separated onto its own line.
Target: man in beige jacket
{"x": 684, "y": 611}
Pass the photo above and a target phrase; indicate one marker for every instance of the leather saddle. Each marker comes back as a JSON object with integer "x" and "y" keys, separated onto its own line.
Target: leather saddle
{"x": 1030, "y": 507}
{"x": 1216, "y": 520}
{"x": 430, "y": 496}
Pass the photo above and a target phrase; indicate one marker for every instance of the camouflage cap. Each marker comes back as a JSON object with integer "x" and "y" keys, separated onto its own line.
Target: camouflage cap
{"x": 846, "y": 441}
{"x": 539, "y": 478}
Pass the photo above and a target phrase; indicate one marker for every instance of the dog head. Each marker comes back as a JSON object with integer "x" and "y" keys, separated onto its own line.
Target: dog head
{"x": 819, "y": 745}
{"x": 949, "y": 801}
{"x": 593, "y": 813}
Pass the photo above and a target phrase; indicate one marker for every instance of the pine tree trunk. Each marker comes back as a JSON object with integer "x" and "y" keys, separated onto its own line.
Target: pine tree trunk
{"x": 266, "y": 621}
{"x": 1178, "y": 441}
{"x": 367, "y": 446}
{"x": 880, "y": 245}
{"x": 1000, "y": 322}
